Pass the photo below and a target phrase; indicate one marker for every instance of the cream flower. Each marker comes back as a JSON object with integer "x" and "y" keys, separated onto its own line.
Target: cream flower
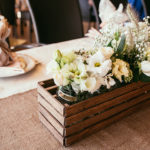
{"x": 109, "y": 81}
{"x": 106, "y": 52}
{"x": 52, "y": 67}
{"x": 120, "y": 68}
{"x": 91, "y": 84}
{"x": 60, "y": 79}
{"x": 99, "y": 64}
{"x": 145, "y": 67}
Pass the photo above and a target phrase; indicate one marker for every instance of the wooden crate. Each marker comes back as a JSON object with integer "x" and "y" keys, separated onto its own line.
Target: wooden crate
{"x": 70, "y": 123}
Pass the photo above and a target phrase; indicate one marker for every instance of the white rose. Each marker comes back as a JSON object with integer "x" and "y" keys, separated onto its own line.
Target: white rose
{"x": 145, "y": 67}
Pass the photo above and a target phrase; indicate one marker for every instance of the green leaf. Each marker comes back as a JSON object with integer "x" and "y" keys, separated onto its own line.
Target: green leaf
{"x": 121, "y": 44}
{"x": 117, "y": 35}
{"x": 144, "y": 78}
{"x": 109, "y": 44}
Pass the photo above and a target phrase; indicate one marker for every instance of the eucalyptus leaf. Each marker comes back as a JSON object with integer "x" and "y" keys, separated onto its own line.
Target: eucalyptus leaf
{"x": 109, "y": 44}
{"x": 121, "y": 44}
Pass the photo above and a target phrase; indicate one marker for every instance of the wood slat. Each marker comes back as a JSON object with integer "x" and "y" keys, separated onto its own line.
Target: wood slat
{"x": 49, "y": 82}
{"x": 51, "y": 87}
{"x": 93, "y": 120}
{"x": 52, "y": 120}
{"x": 55, "y": 103}
{"x": 51, "y": 109}
{"x": 51, "y": 129}
{"x": 101, "y": 107}
{"x": 76, "y": 108}
{"x": 70, "y": 140}
{"x": 69, "y": 123}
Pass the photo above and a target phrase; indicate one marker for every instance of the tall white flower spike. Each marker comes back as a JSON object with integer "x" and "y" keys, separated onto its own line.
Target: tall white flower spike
{"x": 108, "y": 12}
{"x": 106, "y": 8}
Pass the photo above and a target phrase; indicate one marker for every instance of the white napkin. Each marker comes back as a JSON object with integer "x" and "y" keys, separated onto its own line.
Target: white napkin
{"x": 10, "y": 71}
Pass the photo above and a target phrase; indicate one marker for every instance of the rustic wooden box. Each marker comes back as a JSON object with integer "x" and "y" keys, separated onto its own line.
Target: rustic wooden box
{"x": 69, "y": 123}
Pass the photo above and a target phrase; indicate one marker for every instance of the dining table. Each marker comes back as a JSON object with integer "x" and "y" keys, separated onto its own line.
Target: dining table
{"x": 21, "y": 129}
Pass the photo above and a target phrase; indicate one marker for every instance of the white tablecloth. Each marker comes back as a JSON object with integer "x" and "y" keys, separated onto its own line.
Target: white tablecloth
{"x": 14, "y": 85}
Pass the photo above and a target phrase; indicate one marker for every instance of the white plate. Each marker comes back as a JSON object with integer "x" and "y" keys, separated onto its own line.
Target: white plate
{"x": 14, "y": 70}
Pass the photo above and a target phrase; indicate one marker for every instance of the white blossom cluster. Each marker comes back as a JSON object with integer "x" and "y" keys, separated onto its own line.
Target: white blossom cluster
{"x": 117, "y": 49}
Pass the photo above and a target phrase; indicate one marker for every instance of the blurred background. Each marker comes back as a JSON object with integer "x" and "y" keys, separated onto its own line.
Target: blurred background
{"x": 24, "y": 30}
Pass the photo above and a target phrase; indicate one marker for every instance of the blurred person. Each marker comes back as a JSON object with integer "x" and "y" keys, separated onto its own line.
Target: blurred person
{"x": 138, "y": 6}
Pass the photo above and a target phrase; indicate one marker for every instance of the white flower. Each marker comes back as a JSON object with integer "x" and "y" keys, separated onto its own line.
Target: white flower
{"x": 76, "y": 87}
{"x": 106, "y": 52}
{"x": 98, "y": 64}
{"x": 60, "y": 79}
{"x": 91, "y": 84}
{"x": 145, "y": 67}
{"x": 108, "y": 81}
{"x": 52, "y": 67}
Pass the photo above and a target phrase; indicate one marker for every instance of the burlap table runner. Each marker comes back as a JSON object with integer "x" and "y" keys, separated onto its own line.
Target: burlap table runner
{"x": 20, "y": 129}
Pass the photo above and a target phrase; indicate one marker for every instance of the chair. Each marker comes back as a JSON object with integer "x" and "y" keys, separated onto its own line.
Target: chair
{"x": 95, "y": 6}
{"x": 55, "y": 20}
{"x": 146, "y": 7}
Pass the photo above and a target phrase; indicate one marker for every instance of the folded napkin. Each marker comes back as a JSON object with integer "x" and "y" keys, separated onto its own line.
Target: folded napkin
{"x": 4, "y": 30}
{"x": 5, "y": 54}
{"x": 11, "y": 70}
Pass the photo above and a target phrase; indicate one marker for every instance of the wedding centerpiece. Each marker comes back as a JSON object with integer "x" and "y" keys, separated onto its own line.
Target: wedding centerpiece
{"x": 120, "y": 55}
{"x": 92, "y": 88}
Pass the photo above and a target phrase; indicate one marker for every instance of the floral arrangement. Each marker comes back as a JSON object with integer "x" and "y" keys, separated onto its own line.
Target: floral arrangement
{"x": 121, "y": 55}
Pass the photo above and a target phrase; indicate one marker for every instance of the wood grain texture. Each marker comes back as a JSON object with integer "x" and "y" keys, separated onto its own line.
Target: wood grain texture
{"x": 51, "y": 120}
{"x": 55, "y": 103}
{"x": 103, "y": 106}
{"x": 51, "y": 109}
{"x": 51, "y": 129}
{"x": 76, "y": 108}
{"x": 86, "y": 117}
{"x": 94, "y": 119}
{"x": 70, "y": 140}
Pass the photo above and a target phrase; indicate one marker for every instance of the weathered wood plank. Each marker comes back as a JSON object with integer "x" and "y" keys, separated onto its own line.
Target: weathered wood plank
{"x": 103, "y": 106}
{"x": 52, "y": 120}
{"x": 51, "y": 129}
{"x": 55, "y": 103}
{"x": 51, "y": 87}
{"x": 51, "y": 109}
{"x": 76, "y": 108}
{"x": 94, "y": 119}
{"x": 88, "y": 131}
{"x": 70, "y": 123}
